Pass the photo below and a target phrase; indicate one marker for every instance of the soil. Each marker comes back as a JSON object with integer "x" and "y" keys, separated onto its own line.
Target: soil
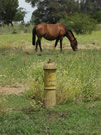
{"x": 16, "y": 89}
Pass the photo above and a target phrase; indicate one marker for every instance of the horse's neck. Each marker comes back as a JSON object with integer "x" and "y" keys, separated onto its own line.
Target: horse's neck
{"x": 70, "y": 35}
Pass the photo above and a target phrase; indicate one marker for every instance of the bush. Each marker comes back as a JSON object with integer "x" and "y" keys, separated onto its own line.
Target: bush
{"x": 80, "y": 23}
{"x": 77, "y": 79}
{"x": 14, "y": 31}
{"x": 97, "y": 16}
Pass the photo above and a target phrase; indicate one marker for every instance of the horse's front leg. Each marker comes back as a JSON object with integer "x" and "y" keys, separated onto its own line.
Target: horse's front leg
{"x": 61, "y": 45}
{"x": 56, "y": 42}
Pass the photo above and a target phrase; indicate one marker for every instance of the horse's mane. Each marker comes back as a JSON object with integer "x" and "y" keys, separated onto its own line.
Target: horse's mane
{"x": 68, "y": 30}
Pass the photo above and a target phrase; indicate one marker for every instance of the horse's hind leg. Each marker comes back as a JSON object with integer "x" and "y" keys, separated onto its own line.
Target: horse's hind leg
{"x": 40, "y": 45}
{"x": 36, "y": 45}
{"x": 61, "y": 44}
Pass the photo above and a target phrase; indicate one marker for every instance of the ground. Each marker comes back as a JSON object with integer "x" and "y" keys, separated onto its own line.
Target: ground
{"x": 19, "y": 88}
{"x": 16, "y": 89}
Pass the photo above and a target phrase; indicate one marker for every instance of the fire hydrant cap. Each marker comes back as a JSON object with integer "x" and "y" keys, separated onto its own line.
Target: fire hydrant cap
{"x": 50, "y": 65}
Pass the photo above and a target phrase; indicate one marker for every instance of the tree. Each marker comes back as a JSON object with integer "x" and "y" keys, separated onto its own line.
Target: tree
{"x": 90, "y": 6}
{"x": 19, "y": 15}
{"x": 46, "y": 12}
{"x": 97, "y": 16}
{"x": 33, "y": 2}
{"x": 80, "y": 23}
{"x": 9, "y": 10}
{"x": 52, "y": 11}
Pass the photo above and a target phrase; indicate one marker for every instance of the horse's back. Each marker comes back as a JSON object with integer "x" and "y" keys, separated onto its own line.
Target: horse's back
{"x": 41, "y": 28}
{"x": 50, "y": 26}
{"x": 50, "y": 31}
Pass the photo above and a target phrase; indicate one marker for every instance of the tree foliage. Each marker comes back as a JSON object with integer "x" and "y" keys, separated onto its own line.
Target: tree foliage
{"x": 10, "y": 12}
{"x": 80, "y": 23}
{"x": 51, "y": 11}
{"x": 19, "y": 15}
{"x": 90, "y": 6}
{"x": 97, "y": 16}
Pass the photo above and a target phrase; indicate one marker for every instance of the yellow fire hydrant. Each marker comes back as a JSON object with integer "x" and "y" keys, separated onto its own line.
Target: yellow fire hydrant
{"x": 50, "y": 84}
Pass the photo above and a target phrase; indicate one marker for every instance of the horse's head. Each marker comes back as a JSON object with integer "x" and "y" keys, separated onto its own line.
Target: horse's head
{"x": 74, "y": 44}
{"x": 73, "y": 41}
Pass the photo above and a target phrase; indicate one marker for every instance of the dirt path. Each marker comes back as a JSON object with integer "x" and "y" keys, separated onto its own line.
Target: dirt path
{"x": 17, "y": 89}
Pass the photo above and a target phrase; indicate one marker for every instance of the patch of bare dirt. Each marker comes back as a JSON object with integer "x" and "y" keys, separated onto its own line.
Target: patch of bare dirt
{"x": 17, "y": 89}
{"x": 90, "y": 46}
{"x": 66, "y": 46}
{"x": 51, "y": 117}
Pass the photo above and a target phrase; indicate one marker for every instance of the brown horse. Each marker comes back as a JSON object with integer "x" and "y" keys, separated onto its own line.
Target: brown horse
{"x": 53, "y": 32}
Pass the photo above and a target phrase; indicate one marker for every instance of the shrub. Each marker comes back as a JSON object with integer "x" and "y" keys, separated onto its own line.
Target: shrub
{"x": 14, "y": 31}
{"x": 35, "y": 82}
{"x": 80, "y": 23}
{"x": 97, "y": 16}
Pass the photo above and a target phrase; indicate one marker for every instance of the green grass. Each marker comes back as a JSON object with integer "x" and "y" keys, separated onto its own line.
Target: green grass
{"x": 78, "y": 81}
{"x": 17, "y": 28}
{"x": 68, "y": 119}
{"x": 78, "y": 71}
{"x": 90, "y": 39}
{"x": 14, "y": 39}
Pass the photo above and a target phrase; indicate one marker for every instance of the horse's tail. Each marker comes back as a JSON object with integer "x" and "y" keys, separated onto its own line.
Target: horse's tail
{"x": 33, "y": 35}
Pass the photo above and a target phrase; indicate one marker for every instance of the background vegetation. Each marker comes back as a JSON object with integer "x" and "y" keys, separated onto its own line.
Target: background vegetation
{"x": 10, "y": 12}
{"x": 78, "y": 110}
{"x": 22, "y": 91}
{"x": 82, "y": 16}
{"x": 79, "y": 15}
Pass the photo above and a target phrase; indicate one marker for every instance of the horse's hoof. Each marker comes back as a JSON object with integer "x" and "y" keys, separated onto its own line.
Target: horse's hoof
{"x": 36, "y": 50}
{"x": 39, "y": 54}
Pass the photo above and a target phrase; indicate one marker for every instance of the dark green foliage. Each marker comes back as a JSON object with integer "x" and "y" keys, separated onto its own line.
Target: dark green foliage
{"x": 33, "y": 2}
{"x": 97, "y": 16}
{"x": 90, "y": 6}
{"x": 51, "y": 11}
{"x": 9, "y": 11}
{"x": 80, "y": 23}
{"x": 19, "y": 15}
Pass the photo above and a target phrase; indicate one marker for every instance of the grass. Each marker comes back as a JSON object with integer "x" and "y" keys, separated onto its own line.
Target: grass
{"x": 17, "y": 28}
{"x": 78, "y": 110}
{"x": 79, "y": 72}
{"x": 92, "y": 39}
{"x": 68, "y": 119}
